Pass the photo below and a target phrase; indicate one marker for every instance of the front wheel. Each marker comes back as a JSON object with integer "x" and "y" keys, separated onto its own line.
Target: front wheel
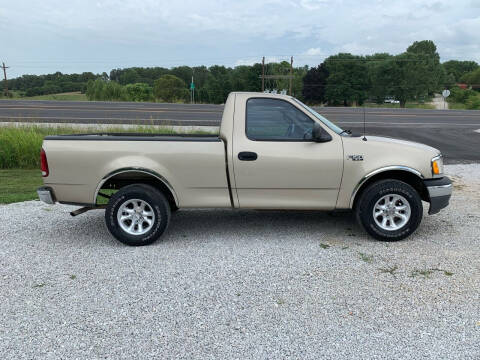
{"x": 389, "y": 210}
{"x": 137, "y": 214}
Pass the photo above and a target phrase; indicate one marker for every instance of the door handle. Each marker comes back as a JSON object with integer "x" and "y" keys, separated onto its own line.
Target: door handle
{"x": 247, "y": 156}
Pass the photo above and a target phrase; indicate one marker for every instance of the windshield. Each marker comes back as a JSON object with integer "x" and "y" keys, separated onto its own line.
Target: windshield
{"x": 327, "y": 122}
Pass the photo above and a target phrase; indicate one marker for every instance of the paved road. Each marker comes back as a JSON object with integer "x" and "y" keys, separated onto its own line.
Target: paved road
{"x": 453, "y": 131}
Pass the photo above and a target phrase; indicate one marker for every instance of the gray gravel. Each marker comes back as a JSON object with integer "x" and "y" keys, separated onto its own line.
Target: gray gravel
{"x": 241, "y": 285}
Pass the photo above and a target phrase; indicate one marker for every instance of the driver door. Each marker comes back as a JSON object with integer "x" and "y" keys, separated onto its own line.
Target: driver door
{"x": 276, "y": 163}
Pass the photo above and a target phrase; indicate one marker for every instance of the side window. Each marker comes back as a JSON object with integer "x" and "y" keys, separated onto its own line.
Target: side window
{"x": 274, "y": 119}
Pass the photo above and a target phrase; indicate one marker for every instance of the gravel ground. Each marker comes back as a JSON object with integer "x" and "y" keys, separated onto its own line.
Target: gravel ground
{"x": 241, "y": 285}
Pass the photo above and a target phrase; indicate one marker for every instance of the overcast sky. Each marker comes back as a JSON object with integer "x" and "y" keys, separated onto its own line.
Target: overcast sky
{"x": 84, "y": 35}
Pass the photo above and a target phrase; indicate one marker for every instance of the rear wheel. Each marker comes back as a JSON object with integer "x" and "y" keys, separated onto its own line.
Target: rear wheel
{"x": 137, "y": 214}
{"x": 389, "y": 210}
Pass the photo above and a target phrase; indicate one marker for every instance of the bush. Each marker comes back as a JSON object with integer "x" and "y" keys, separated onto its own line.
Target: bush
{"x": 170, "y": 88}
{"x": 458, "y": 95}
{"x": 139, "y": 92}
{"x": 473, "y": 102}
{"x": 100, "y": 90}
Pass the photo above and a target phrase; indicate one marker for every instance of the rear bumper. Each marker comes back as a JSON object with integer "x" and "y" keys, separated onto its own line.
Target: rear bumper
{"x": 46, "y": 194}
{"x": 439, "y": 192}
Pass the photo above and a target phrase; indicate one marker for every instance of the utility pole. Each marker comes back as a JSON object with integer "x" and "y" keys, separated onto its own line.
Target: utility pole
{"x": 5, "y": 77}
{"x": 291, "y": 74}
{"x": 192, "y": 92}
{"x": 263, "y": 74}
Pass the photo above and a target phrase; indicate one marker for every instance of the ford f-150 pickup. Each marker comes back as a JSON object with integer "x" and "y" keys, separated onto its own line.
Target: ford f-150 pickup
{"x": 272, "y": 152}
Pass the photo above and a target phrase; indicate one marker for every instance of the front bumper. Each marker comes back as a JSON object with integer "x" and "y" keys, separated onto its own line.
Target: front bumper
{"x": 439, "y": 192}
{"x": 46, "y": 194}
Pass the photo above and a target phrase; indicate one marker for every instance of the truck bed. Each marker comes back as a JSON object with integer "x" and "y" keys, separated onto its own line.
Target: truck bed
{"x": 136, "y": 137}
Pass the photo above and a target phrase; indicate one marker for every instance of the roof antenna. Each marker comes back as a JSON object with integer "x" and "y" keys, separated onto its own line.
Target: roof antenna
{"x": 364, "y": 138}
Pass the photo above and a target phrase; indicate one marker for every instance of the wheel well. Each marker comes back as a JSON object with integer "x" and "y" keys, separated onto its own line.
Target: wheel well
{"x": 410, "y": 178}
{"x": 120, "y": 180}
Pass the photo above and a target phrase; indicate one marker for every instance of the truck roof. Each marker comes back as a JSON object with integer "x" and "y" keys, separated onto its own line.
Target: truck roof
{"x": 252, "y": 93}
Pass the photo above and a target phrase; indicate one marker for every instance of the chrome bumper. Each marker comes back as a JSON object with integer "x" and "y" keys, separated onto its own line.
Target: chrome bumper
{"x": 46, "y": 194}
{"x": 439, "y": 192}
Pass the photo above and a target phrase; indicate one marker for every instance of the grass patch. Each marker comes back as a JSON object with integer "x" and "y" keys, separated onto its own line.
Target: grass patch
{"x": 456, "y": 106}
{"x": 389, "y": 270}
{"x": 40, "y": 285}
{"x": 324, "y": 246}
{"x": 69, "y": 96}
{"x": 280, "y": 301}
{"x": 19, "y": 185}
{"x": 20, "y": 145}
{"x": 427, "y": 272}
{"x": 365, "y": 257}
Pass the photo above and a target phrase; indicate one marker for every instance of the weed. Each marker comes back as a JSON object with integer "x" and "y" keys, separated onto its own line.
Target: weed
{"x": 39, "y": 285}
{"x": 389, "y": 270}
{"x": 73, "y": 277}
{"x": 425, "y": 273}
{"x": 365, "y": 257}
{"x": 324, "y": 246}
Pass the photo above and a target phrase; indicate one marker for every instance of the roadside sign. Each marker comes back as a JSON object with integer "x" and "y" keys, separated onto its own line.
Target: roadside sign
{"x": 192, "y": 86}
{"x": 446, "y": 93}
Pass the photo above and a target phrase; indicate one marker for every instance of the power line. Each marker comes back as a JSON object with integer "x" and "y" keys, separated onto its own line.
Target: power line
{"x": 5, "y": 91}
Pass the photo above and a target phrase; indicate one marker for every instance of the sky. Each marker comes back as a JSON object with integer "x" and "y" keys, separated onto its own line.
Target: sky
{"x": 38, "y": 37}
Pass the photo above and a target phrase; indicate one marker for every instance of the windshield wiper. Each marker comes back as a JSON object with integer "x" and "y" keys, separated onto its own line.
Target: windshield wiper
{"x": 346, "y": 131}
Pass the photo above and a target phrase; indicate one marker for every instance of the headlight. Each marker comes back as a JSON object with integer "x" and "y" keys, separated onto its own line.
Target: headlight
{"x": 437, "y": 165}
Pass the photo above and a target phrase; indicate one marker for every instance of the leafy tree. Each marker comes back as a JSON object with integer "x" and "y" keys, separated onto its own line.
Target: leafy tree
{"x": 314, "y": 84}
{"x": 100, "y": 90}
{"x": 472, "y": 78}
{"x": 347, "y": 81}
{"x": 218, "y": 84}
{"x": 170, "y": 88}
{"x": 378, "y": 68}
{"x": 139, "y": 92}
{"x": 183, "y": 72}
{"x": 428, "y": 66}
{"x": 458, "y": 68}
{"x": 404, "y": 76}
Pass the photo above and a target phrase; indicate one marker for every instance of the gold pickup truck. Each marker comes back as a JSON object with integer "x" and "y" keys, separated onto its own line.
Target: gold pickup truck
{"x": 272, "y": 152}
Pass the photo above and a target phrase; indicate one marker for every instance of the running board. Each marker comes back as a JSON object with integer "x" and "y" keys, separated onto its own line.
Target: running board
{"x": 85, "y": 209}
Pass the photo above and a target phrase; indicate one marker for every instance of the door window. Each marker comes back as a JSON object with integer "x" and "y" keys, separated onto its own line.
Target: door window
{"x": 276, "y": 120}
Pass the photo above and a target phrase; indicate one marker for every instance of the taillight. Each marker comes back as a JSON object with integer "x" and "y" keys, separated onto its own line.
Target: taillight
{"x": 43, "y": 163}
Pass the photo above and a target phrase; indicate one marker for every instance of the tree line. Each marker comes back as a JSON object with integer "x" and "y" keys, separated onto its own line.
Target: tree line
{"x": 342, "y": 79}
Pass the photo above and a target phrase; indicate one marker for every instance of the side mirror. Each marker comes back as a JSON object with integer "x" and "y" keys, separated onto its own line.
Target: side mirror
{"x": 319, "y": 135}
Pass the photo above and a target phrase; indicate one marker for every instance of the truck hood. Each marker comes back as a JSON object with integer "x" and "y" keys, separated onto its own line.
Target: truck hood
{"x": 387, "y": 140}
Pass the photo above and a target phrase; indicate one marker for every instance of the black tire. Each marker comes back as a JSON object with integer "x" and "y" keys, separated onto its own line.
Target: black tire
{"x": 157, "y": 202}
{"x": 373, "y": 193}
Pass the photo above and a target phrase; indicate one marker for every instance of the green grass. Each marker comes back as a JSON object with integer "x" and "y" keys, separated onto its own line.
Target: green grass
{"x": 20, "y": 145}
{"x": 68, "y": 96}
{"x": 456, "y": 106}
{"x": 19, "y": 185}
